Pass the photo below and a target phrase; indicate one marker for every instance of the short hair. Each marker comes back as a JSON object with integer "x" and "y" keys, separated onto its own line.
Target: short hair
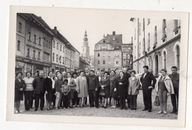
{"x": 113, "y": 71}
{"x": 58, "y": 72}
{"x": 49, "y": 72}
{"x": 147, "y": 67}
{"x": 92, "y": 71}
{"x": 29, "y": 73}
{"x": 19, "y": 73}
{"x": 81, "y": 71}
{"x": 69, "y": 73}
{"x": 74, "y": 73}
{"x": 65, "y": 80}
{"x": 164, "y": 70}
{"x": 106, "y": 72}
{"x": 133, "y": 71}
{"x": 174, "y": 67}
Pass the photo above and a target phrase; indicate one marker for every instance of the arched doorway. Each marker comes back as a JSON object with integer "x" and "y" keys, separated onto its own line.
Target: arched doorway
{"x": 156, "y": 65}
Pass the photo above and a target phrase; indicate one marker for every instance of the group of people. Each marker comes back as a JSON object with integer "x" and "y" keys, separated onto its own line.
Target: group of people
{"x": 117, "y": 88}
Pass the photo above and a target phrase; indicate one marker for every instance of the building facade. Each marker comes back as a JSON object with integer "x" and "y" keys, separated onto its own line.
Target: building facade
{"x": 83, "y": 64}
{"x": 127, "y": 58}
{"x": 156, "y": 44}
{"x": 35, "y": 46}
{"x": 107, "y": 53}
{"x": 85, "y": 49}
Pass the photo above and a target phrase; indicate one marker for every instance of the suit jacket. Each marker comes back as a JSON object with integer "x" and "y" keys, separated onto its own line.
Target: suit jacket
{"x": 39, "y": 85}
{"x": 148, "y": 80}
{"x": 93, "y": 82}
{"x": 48, "y": 85}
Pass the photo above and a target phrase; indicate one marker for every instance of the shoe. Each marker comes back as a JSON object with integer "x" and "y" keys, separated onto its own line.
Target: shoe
{"x": 164, "y": 112}
{"x": 149, "y": 110}
{"x": 174, "y": 112}
{"x": 35, "y": 109}
{"x": 160, "y": 112}
{"x": 145, "y": 109}
{"x": 41, "y": 109}
{"x": 16, "y": 112}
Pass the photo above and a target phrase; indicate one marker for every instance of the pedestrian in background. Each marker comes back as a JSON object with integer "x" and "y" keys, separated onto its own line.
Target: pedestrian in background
{"x": 163, "y": 86}
{"x": 82, "y": 89}
{"x": 175, "y": 97}
{"x": 148, "y": 83}
{"x": 133, "y": 90}
{"x": 58, "y": 86}
{"x": 39, "y": 90}
{"x": 19, "y": 87}
{"x": 28, "y": 91}
{"x": 121, "y": 89}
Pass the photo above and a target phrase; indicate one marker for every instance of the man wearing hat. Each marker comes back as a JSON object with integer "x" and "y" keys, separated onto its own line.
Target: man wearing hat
{"x": 93, "y": 86}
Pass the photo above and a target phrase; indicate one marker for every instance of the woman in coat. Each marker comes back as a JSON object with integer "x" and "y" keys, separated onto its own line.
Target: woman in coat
{"x": 113, "y": 89}
{"x": 121, "y": 89}
{"x": 164, "y": 86}
{"x": 82, "y": 89}
{"x": 105, "y": 87}
{"x": 19, "y": 87}
{"x": 133, "y": 90}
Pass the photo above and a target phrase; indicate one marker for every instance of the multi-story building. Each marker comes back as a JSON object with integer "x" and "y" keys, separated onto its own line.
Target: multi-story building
{"x": 107, "y": 53}
{"x": 156, "y": 43}
{"x": 85, "y": 49}
{"x": 127, "y": 58}
{"x": 58, "y": 51}
{"x": 35, "y": 44}
{"x": 83, "y": 64}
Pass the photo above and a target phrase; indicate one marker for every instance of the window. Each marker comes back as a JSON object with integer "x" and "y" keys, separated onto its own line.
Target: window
{"x": 19, "y": 27}
{"x": 57, "y": 46}
{"x": 98, "y": 62}
{"x": 18, "y": 45}
{"x": 63, "y": 49}
{"x": 103, "y": 61}
{"x": 53, "y": 56}
{"x": 63, "y": 60}
{"x": 29, "y": 36}
{"x": 155, "y": 39}
{"x": 28, "y": 52}
{"x": 143, "y": 24}
{"x": 163, "y": 30}
{"x": 149, "y": 41}
{"x": 178, "y": 56}
{"x": 164, "y": 59}
{"x": 117, "y": 62}
{"x": 176, "y": 26}
{"x": 34, "y": 39}
{"x": 109, "y": 58}
{"x": 57, "y": 58}
{"x": 34, "y": 54}
{"x": 60, "y": 47}
{"x": 98, "y": 55}
{"x": 148, "y": 21}
{"x": 39, "y": 41}
{"x": 39, "y": 55}
{"x": 143, "y": 45}
{"x": 53, "y": 44}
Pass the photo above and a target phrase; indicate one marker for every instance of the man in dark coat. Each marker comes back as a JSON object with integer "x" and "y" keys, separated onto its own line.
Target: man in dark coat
{"x": 92, "y": 89}
{"x": 148, "y": 83}
{"x": 175, "y": 97}
{"x": 127, "y": 76}
{"x": 39, "y": 90}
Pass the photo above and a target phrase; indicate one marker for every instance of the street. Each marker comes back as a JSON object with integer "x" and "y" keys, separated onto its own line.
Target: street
{"x": 109, "y": 112}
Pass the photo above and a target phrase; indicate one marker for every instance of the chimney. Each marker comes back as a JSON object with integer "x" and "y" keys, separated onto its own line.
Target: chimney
{"x": 55, "y": 29}
{"x": 113, "y": 32}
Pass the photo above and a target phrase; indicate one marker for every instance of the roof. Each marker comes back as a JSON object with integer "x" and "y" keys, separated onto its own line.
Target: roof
{"x": 114, "y": 40}
{"x": 38, "y": 21}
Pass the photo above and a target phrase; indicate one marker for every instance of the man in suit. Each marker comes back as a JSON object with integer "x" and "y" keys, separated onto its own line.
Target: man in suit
{"x": 92, "y": 89}
{"x": 39, "y": 89}
{"x": 148, "y": 83}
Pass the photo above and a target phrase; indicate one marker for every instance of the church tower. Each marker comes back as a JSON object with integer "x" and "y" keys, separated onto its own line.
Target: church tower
{"x": 85, "y": 48}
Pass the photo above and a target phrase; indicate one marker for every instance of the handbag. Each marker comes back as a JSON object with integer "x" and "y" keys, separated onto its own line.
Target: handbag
{"x": 157, "y": 102}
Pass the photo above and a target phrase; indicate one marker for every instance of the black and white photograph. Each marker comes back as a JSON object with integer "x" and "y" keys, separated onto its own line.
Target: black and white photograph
{"x": 97, "y": 64}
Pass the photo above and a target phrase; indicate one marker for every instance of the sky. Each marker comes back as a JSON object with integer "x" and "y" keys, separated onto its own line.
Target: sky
{"x": 72, "y": 23}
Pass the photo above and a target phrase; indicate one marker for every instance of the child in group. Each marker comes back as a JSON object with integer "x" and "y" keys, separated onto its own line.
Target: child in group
{"x": 65, "y": 94}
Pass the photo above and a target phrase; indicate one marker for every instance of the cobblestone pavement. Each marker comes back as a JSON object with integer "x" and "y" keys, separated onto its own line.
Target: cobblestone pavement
{"x": 109, "y": 112}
